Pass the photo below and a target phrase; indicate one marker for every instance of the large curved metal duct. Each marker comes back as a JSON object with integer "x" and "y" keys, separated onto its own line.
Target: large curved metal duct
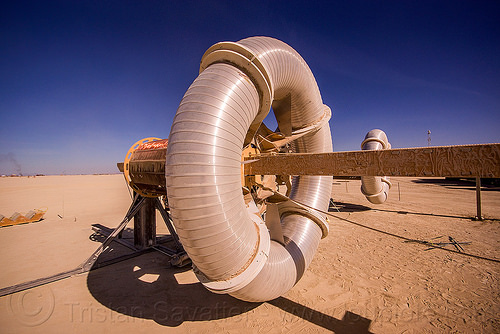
{"x": 375, "y": 188}
{"x": 229, "y": 244}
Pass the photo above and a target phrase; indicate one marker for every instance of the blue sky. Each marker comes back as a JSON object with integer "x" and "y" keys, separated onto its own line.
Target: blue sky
{"x": 81, "y": 81}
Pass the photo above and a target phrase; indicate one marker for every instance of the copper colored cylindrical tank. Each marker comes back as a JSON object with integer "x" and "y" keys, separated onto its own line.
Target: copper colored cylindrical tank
{"x": 146, "y": 168}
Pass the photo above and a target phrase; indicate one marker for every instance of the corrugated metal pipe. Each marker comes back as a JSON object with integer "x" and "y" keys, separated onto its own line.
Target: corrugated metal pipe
{"x": 227, "y": 240}
{"x": 375, "y": 188}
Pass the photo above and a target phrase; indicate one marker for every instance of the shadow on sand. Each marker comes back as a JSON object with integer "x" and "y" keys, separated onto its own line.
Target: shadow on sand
{"x": 349, "y": 207}
{"x": 147, "y": 287}
{"x": 462, "y": 184}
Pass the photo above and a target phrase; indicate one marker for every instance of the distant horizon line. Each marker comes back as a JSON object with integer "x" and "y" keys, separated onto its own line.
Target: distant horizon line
{"x": 58, "y": 174}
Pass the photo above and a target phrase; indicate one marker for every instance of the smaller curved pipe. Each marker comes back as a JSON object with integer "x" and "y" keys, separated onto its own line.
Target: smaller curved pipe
{"x": 375, "y": 188}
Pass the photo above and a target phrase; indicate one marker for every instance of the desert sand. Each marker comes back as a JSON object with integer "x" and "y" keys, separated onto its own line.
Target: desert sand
{"x": 361, "y": 280}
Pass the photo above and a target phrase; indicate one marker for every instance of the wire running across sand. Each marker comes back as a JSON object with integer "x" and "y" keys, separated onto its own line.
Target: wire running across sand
{"x": 422, "y": 242}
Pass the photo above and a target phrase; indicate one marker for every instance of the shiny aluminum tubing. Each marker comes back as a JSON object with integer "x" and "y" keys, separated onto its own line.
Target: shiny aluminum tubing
{"x": 375, "y": 188}
{"x": 229, "y": 243}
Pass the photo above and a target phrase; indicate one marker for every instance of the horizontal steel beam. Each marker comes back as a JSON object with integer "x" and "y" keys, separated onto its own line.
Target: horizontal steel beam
{"x": 482, "y": 160}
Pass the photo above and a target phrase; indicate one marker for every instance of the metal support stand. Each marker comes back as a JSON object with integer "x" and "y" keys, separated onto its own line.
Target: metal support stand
{"x": 145, "y": 225}
{"x": 134, "y": 208}
{"x": 479, "y": 215}
{"x": 143, "y": 210}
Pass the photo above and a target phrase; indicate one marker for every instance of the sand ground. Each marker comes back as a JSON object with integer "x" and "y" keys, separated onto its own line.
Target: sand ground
{"x": 360, "y": 281}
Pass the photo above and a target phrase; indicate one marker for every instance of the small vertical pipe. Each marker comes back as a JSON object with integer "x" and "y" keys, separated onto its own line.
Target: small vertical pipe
{"x": 478, "y": 199}
{"x": 399, "y": 193}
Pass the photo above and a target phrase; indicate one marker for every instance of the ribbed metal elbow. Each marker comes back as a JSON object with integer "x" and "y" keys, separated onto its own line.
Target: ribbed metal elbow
{"x": 229, "y": 245}
{"x": 375, "y": 188}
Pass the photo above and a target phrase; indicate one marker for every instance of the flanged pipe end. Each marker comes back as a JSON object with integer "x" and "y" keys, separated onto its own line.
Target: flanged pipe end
{"x": 247, "y": 274}
{"x": 377, "y": 136}
{"x": 291, "y": 208}
{"x": 244, "y": 59}
{"x": 378, "y": 198}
